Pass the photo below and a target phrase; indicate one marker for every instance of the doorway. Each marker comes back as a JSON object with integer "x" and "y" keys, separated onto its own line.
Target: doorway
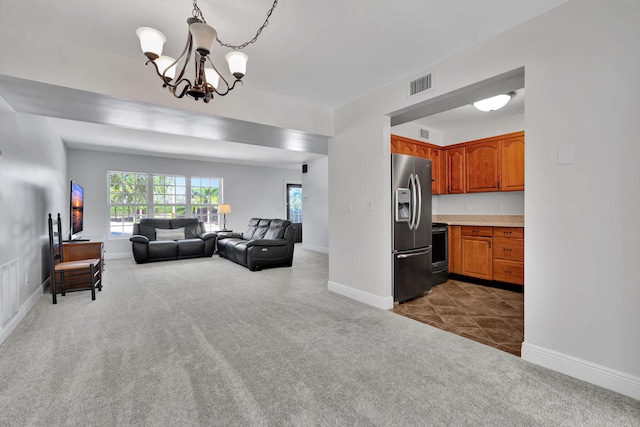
{"x": 294, "y": 208}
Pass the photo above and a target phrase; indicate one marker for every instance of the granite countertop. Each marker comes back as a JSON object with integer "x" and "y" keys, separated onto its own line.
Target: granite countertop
{"x": 482, "y": 220}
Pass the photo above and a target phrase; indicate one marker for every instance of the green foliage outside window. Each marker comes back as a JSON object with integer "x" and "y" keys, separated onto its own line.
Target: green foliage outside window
{"x": 133, "y": 196}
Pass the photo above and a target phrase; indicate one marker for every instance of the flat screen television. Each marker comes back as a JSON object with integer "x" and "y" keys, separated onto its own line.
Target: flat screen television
{"x": 77, "y": 210}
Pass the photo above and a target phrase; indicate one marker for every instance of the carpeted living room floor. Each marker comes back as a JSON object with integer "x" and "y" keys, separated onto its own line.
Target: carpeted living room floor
{"x": 208, "y": 342}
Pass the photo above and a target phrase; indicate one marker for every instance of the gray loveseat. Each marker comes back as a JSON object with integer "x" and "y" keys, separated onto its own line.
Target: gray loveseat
{"x": 265, "y": 243}
{"x": 166, "y": 239}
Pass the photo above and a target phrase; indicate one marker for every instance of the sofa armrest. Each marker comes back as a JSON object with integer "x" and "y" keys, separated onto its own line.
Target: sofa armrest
{"x": 207, "y": 235}
{"x": 228, "y": 234}
{"x": 267, "y": 242}
{"x": 139, "y": 239}
{"x": 290, "y": 233}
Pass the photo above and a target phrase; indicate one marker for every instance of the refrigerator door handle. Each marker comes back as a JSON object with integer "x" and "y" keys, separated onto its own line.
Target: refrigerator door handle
{"x": 403, "y": 256}
{"x": 419, "y": 207}
{"x": 412, "y": 189}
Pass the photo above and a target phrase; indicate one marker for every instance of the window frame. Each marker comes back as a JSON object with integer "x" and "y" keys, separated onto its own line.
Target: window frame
{"x": 171, "y": 202}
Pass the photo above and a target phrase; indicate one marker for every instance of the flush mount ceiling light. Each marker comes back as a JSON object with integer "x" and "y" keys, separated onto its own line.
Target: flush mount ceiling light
{"x": 200, "y": 41}
{"x": 494, "y": 103}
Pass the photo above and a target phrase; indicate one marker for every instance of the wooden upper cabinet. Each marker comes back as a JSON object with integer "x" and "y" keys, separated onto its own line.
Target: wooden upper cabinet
{"x": 438, "y": 171}
{"x": 513, "y": 164}
{"x": 483, "y": 167}
{"x": 422, "y": 151}
{"x": 402, "y": 145}
{"x": 455, "y": 170}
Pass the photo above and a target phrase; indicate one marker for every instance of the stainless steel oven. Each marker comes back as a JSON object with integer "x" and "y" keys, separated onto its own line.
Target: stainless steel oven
{"x": 440, "y": 253}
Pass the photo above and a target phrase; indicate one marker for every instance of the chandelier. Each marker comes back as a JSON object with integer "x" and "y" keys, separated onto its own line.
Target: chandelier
{"x": 201, "y": 39}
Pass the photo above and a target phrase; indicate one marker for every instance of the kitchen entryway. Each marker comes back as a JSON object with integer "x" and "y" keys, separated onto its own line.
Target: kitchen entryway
{"x": 491, "y": 316}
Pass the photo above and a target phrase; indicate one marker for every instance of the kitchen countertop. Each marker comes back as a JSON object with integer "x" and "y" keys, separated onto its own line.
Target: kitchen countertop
{"x": 481, "y": 220}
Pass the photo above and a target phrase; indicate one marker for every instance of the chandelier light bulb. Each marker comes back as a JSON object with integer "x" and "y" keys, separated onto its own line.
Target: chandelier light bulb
{"x": 212, "y": 77}
{"x": 165, "y": 68}
{"x": 492, "y": 104}
{"x": 151, "y": 41}
{"x": 237, "y": 63}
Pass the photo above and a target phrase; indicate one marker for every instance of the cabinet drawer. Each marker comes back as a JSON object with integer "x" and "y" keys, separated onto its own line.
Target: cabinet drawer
{"x": 511, "y": 249}
{"x": 515, "y": 232}
{"x": 468, "y": 230}
{"x": 508, "y": 271}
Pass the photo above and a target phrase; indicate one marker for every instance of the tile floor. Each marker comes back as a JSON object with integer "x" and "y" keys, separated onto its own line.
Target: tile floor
{"x": 491, "y": 316}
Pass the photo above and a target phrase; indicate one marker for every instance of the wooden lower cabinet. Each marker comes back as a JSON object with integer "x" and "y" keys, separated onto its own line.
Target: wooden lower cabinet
{"x": 508, "y": 271}
{"x": 508, "y": 254}
{"x": 489, "y": 253}
{"x": 477, "y": 255}
{"x": 455, "y": 249}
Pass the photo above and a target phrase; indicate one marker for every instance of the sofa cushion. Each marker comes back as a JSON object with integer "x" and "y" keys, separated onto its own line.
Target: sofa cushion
{"x": 276, "y": 229}
{"x": 251, "y": 229}
{"x": 263, "y": 227}
{"x": 148, "y": 227}
{"x": 170, "y": 234}
{"x": 190, "y": 248}
{"x": 191, "y": 226}
{"x": 163, "y": 249}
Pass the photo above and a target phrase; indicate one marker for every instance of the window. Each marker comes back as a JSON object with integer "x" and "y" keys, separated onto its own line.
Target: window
{"x": 294, "y": 203}
{"x": 127, "y": 201}
{"x": 133, "y": 196}
{"x": 169, "y": 196}
{"x": 205, "y": 197}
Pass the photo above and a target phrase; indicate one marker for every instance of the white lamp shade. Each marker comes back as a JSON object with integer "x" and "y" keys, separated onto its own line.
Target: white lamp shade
{"x": 165, "y": 68}
{"x": 493, "y": 103}
{"x": 224, "y": 209}
{"x": 204, "y": 36}
{"x": 151, "y": 40}
{"x": 212, "y": 77}
{"x": 237, "y": 63}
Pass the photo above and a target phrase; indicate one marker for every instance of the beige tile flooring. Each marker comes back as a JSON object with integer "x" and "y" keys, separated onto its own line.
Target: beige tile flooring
{"x": 488, "y": 315}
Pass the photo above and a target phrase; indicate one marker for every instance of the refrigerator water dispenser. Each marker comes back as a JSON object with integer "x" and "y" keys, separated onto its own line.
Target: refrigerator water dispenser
{"x": 403, "y": 205}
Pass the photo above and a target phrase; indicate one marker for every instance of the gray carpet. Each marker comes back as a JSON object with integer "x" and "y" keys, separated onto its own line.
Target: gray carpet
{"x": 207, "y": 342}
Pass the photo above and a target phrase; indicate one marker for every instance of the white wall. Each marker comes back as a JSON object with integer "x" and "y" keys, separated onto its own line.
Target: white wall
{"x": 315, "y": 211}
{"x": 33, "y": 183}
{"x": 251, "y": 191}
{"x": 412, "y": 130}
{"x": 581, "y": 67}
{"x": 506, "y": 203}
{"x": 485, "y": 129}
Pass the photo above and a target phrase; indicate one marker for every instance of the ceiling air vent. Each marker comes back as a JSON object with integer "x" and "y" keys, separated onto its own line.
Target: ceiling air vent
{"x": 424, "y": 133}
{"x": 420, "y": 85}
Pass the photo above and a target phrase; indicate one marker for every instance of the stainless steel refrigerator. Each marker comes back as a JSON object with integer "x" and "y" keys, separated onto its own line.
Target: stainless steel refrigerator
{"x": 412, "y": 240}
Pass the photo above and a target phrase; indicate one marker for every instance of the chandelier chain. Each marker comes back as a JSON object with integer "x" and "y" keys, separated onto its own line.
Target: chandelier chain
{"x": 197, "y": 13}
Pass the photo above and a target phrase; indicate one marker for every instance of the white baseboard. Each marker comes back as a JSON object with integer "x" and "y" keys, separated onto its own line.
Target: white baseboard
{"x": 22, "y": 311}
{"x": 315, "y": 248}
{"x": 611, "y": 379}
{"x": 385, "y": 303}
